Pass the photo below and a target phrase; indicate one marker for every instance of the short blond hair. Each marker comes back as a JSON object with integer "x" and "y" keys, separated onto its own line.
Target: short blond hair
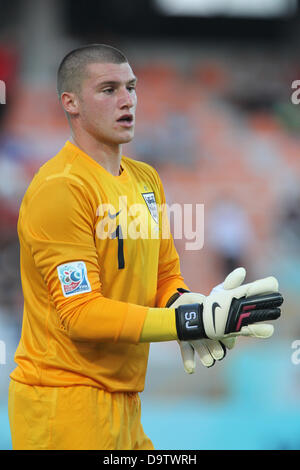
{"x": 72, "y": 69}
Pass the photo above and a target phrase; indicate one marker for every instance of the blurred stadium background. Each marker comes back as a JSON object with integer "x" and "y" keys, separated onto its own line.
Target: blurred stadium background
{"x": 216, "y": 119}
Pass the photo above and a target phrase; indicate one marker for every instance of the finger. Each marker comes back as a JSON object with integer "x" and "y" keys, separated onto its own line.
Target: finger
{"x": 263, "y": 315}
{"x": 235, "y": 278}
{"x": 261, "y": 286}
{"x": 262, "y": 331}
{"x": 253, "y": 309}
{"x": 216, "y": 349}
{"x": 203, "y": 353}
{"x": 229, "y": 343}
{"x": 188, "y": 356}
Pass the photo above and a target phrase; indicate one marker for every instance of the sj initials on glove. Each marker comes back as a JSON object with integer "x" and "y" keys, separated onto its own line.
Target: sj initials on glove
{"x": 209, "y": 351}
{"x": 240, "y": 311}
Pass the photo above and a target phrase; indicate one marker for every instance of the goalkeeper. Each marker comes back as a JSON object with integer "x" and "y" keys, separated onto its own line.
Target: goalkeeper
{"x": 95, "y": 299}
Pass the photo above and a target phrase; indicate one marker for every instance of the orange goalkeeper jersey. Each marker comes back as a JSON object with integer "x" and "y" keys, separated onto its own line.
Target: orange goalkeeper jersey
{"x": 95, "y": 254}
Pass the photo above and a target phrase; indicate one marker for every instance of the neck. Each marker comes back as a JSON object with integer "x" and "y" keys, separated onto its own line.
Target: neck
{"x": 107, "y": 155}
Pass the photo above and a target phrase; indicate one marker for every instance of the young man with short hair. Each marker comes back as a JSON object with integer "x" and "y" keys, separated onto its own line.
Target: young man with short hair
{"x": 101, "y": 280}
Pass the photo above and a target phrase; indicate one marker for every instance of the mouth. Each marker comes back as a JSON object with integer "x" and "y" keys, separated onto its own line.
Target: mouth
{"x": 126, "y": 120}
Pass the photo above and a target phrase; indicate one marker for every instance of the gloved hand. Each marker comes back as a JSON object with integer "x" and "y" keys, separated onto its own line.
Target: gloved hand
{"x": 231, "y": 312}
{"x": 208, "y": 350}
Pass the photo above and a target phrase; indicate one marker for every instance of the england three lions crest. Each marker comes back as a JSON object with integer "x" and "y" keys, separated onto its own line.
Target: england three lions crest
{"x": 149, "y": 199}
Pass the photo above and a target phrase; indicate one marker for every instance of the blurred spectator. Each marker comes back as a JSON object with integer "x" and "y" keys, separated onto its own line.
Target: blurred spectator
{"x": 230, "y": 233}
{"x": 169, "y": 139}
{"x": 10, "y": 284}
{"x": 8, "y": 74}
{"x": 290, "y": 221}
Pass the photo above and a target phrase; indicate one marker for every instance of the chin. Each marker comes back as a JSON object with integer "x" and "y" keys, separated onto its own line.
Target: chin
{"x": 126, "y": 139}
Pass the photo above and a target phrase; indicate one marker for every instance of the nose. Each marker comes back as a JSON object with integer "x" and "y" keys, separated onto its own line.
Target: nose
{"x": 127, "y": 99}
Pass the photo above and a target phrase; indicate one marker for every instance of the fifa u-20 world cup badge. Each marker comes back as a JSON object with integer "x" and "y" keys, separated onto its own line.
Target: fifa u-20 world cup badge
{"x": 73, "y": 278}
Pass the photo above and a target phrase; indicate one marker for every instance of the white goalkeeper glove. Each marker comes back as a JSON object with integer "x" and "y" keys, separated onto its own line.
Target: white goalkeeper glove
{"x": 208, "y": 350}
{"x": 227, "y": 313}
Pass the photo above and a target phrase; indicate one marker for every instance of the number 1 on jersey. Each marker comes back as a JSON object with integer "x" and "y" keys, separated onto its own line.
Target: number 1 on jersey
{"x": 119, "y": 235}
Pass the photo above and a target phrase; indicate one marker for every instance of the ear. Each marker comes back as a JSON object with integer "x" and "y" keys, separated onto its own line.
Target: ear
{"x": 70, "y": 103}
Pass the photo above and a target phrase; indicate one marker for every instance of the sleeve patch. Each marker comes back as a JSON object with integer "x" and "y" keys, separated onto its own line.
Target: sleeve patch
{"x": 73, "y": 278}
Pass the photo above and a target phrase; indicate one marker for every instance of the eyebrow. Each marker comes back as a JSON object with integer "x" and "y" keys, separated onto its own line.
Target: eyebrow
{"x": 115, "y": 82}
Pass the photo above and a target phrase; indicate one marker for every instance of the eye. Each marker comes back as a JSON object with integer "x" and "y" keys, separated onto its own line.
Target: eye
{"x": 131, "y": 88}
{"x": 108, "y": 90}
